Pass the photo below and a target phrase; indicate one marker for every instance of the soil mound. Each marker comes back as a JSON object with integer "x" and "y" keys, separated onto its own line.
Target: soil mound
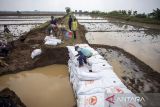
{"x": 9, "y": 99}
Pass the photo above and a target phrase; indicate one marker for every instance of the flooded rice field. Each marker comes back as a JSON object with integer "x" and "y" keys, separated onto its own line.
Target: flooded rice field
{"x": 144, "y": 47}
{"x": 41, "y": 87}
{"x": 92, "y": 21}
{"x": 87, "y": 17}
{"x": 17, "y": 30}
{"x": 143, "y": 43}
{"x": 19, "y": 25}
{"x": 103, "y": 26}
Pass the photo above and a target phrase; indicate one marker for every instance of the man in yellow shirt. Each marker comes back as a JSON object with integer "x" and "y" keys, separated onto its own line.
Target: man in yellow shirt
{"x": 74, "y": 27}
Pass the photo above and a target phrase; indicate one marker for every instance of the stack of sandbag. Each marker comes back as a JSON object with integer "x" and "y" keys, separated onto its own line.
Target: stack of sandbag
{"x": 51, "y": 40}
{"x": 121, "y": 97}
{"x": 95, "y": 82}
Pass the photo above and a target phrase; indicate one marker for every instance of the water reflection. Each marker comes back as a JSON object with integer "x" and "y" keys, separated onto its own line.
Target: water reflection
{"x": 144, "y": 47}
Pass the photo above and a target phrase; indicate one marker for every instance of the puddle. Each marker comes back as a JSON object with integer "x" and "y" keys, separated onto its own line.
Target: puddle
{"x": 42, "y": 87}
{"x": 140, "y": 44}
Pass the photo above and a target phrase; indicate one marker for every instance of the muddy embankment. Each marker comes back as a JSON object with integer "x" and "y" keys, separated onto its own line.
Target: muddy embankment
{"x": 135, "y": 74}
{"x": 20, "y": 59}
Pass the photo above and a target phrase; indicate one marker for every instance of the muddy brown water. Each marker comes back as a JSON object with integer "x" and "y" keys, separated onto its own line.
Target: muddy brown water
{"x": 42, "y": 87}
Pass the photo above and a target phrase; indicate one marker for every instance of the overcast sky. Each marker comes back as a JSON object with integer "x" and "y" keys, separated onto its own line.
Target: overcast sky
{"x": 89, "y": 5}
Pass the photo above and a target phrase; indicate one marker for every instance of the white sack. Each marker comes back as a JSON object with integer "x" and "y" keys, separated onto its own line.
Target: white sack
{"x": 90, "y": 87}
{"x": 84, "y": 74}
{"x": 35, "y": 53}
{"x": 94, "y": 100}
{"x": 51, "y": 43}
{"x": 100, "y": 66}
{"x": 49, "y": 38}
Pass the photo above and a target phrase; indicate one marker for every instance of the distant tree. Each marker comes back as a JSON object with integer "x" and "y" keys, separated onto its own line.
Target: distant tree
{"x": 129, "y": 12}
{"x": 85, "y": 12}
{"x": 134, "y": 13}
{"x": 141, "y": 15}
{"x": 120, "y": 11}
{"x": 68, "y": 10}
{"x": 124, "y": 12}
{"x": 96, "y": 12}
{"x": 156, "y": 14}
{"x": 18, "y": 12}
{"x": 76, "y": 11}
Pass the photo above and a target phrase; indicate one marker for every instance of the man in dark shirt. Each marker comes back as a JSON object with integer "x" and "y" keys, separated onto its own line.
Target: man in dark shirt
{"x": 4, "y": 49}
{"x": 70, "y": 22}
{"x": 53, "y": 21}
{"x": 53, "y": 26}
{"x": 6, "y": 30}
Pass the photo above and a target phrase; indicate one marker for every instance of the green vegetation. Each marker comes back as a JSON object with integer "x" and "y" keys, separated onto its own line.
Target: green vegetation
{"x": 68, "y": 10}
{"x": 151, "y": 18}
{"x": 41, "y": 26}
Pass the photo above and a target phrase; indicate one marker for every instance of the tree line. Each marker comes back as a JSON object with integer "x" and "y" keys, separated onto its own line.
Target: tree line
{"x": 155, "y": 14}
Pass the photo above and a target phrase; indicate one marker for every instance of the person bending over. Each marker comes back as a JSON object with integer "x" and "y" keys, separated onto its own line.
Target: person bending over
{"x": 83, "y": 54}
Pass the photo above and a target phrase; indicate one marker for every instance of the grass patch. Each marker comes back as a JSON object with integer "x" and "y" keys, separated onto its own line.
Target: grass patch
{"x": 130, "y": 18}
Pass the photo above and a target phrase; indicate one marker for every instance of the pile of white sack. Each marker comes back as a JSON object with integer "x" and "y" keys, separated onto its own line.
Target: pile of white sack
{"x": 99, "y": 88}
{"x": 51, "y": 40}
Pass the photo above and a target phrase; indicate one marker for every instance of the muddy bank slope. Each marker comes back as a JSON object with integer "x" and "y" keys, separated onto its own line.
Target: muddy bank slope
{"x": 20, "y": 59}
{"x": 9, "y": 99}
{"x": 135, "y": 74}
